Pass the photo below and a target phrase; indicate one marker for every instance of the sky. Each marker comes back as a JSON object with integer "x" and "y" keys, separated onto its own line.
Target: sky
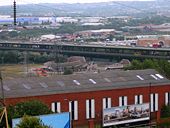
{"x": 9, "y": 2}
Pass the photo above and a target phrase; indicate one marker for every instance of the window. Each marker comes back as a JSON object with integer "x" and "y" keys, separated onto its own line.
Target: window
{"x": 123, "y": 101}
{"x": 76, "y": 82}
{"x": 153, "y": 76}
{"x": 107, "y": 80}
{"x": 139, "y": 77}
{"x": 167, "y": 98}
{"x": 61, "y": 83}
{"x": 56, "y": 107}
{"x": 44, "y": 85}
{"x": 138, "y": 99}
{"x": 26, "y": 86}
{"x": 90, "y": 108}
{"x": 6, "y": 88}
{"x": 154, "y": 102}
{"x": 106, "y": 103}
{"x": 73, "y": 109}
{"x": 91, "y": 80}
{"x": 160, "y": 76}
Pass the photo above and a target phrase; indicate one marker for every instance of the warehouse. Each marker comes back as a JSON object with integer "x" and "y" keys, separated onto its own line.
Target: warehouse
{"x": 86, "y": 95}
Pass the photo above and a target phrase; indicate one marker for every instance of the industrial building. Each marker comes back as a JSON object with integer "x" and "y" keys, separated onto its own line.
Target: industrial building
{"x": 86, "y": 95}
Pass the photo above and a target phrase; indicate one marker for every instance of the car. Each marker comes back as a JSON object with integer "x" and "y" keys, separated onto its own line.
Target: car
{"x": 135, "y": 115}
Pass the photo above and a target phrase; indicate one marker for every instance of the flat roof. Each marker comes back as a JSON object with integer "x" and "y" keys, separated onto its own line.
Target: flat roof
{"x": 37, "y": 86}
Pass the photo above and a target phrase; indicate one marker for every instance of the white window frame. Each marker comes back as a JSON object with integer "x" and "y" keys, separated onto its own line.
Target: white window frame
{"x": 90, "y": 108}
{"x": 75, "y": 104}
{"x": 106, "y": 102}
{"x": 167, "y": 98}
{"x": 154, "y": 102}
{"x": 138, "y": 99}
{"x": 56, "y": 107}
{"x": 123, "y": 101}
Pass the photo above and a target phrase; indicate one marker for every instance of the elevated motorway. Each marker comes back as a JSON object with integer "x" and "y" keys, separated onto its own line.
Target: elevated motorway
{"x": 94, "y": 51}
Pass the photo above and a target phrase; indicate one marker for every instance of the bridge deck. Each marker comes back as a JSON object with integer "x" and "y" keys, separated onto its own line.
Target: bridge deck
{"x": 89, "y": 50}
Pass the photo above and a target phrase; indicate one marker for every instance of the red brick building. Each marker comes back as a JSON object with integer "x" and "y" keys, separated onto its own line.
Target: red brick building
{"x": 86, "y": 95}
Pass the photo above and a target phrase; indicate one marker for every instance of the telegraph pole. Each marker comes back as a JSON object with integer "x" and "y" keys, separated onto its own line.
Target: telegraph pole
{"x": 26, "y": 62}
{"x": 2, "y": 90}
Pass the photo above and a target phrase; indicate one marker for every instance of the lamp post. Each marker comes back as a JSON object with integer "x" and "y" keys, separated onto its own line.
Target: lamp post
{"x": 71, "y": 119}
{"x": 150, "y": 105}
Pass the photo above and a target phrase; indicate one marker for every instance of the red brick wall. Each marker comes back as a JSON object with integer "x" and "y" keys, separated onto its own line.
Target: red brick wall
{"x": 98, "y": 96}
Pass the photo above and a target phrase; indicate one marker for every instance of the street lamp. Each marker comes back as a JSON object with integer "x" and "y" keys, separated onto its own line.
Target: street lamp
{"x": 150, "y": 105}
{"x": 71, "y": 119}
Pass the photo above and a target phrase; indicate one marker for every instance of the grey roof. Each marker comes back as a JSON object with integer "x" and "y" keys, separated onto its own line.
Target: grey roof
{"x": 36, "y": 86}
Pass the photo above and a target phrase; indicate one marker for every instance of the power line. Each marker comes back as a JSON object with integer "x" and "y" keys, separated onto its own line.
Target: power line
{"x": 124, "y": 5}
{"x": 44, "y": 6}
{"x": 115, "y": 2}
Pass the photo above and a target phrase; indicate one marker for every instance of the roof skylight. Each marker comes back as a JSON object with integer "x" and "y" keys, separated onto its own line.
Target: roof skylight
{"x": 107, "y": 80}
{"x": 91, "y": 80}
{"x": 6, "y": 88}
{"x": 139, "y": 77}
{"x": 61, "y": 83}
{"x": 159, "y": 76}
{"x": 153, "y": 76}
{"x": 26, "y": 86}
{"x": 76, "y": 82}
{"x": 44, "y": 85}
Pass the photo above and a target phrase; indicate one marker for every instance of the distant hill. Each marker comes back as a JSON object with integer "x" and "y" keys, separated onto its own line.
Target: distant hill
{"x": 92, "y": 9}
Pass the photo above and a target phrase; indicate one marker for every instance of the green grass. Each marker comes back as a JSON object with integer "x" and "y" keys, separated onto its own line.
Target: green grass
{"x": 15, "y": 70}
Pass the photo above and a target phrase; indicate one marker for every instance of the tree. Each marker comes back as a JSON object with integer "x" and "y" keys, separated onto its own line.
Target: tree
{"x": 68, "y": 71}
{"x": 13, "y": 34}
{"x": 10, "y": 56}
{"x": 165, "y": 111}
{"x": 32, "y": 108}
{"x": 136, "y": 64}
{"x": 164, "y": 125}
{"x": 162, "y": 66}
{"x": 31, "y": 122}
{"x": 148, "y": 64}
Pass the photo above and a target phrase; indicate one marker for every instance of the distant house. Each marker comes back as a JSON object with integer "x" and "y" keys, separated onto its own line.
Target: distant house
{"x": 76, "y": 63}
{"x": 97, "y": 33}
{"x": 92, "y": 24}
{"x": 49, "y": 37}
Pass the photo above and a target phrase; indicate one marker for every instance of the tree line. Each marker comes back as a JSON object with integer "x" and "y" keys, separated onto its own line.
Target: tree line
{"x": 162, "y": 66}
{"x": 15, "y": 57}
{"x": 26, "y": 110}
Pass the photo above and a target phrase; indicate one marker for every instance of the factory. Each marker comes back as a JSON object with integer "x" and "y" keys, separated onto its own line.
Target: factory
{"x": 88, "y": 96}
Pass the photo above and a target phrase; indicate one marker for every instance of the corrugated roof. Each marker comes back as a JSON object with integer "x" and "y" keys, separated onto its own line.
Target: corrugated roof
{"x": 36, "y": 86}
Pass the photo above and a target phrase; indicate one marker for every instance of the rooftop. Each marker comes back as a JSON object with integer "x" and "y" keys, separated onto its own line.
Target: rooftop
{"x": 99, "y": 30}
{"x": 36, "y": 86}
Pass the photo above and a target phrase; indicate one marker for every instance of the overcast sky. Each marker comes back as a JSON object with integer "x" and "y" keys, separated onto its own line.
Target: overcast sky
{"x": 9, "y": 2}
